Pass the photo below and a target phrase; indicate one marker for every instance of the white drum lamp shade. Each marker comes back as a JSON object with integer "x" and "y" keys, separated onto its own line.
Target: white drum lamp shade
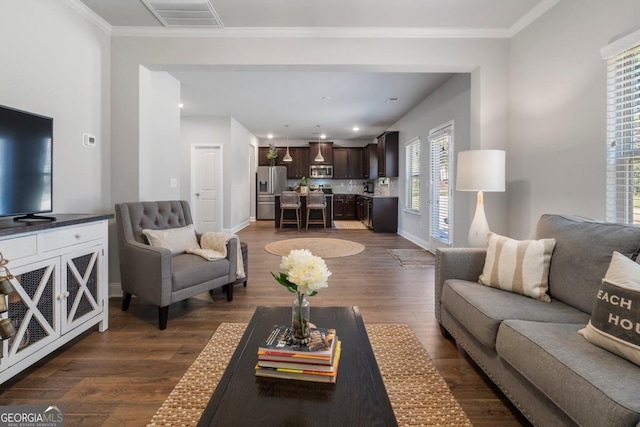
{"x": 480, "y": 170}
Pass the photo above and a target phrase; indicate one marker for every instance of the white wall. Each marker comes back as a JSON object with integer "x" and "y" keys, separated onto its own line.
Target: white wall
{"x": 238, "y": 176}
{"x": 55, "y": 63}
{"x": 486, "y": 59}
{"x": 452, "y": 101}
{"x": 160, "y": 146}
{"x": 556, "y": 157}
{"x": 200, "y": 130}
{"x": 236, "y": 140}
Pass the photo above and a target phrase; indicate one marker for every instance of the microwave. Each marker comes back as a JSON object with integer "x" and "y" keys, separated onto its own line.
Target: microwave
{"x": 321, "y": 171}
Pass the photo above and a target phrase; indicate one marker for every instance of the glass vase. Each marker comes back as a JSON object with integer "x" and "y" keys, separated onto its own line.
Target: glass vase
{"x": 300, "y": 310}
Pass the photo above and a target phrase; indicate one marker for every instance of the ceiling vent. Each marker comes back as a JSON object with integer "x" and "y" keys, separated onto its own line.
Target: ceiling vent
{"x": 184, "y": 13}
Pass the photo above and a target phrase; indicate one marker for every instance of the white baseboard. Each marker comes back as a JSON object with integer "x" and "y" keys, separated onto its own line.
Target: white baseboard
{"x": 115, "y": 289}
{"x": 239, "y": 227}
{"x": 415, "y": 239}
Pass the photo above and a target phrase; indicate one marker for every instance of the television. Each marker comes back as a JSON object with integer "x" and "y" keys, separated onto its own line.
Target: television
{"x": 26, "y": 165}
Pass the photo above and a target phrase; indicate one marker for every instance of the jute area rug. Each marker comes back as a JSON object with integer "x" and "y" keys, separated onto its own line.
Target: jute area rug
{"x": 416, "y": 258}
{"x": 320, "y": 246}
{"x": 349, "y": 225}
{"x": 418, "y": 394}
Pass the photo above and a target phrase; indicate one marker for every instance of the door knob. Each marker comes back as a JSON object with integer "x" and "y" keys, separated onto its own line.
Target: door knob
{"x": 197, "y": 194}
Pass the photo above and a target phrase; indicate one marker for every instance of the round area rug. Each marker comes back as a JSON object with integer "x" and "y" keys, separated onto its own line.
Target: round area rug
{"x": 322, "y": 247}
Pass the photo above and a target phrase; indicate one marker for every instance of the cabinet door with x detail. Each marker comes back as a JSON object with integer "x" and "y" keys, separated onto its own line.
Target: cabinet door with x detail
{"x": 80, "y": 294}
{"x": 33, "y": 309}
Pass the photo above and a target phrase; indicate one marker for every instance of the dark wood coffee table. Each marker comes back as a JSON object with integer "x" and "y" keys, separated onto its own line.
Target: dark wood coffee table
{"x": 358, "y": 398}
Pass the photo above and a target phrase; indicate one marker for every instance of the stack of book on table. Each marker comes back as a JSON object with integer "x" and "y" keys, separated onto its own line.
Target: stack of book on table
{"x": 316, "y": 361}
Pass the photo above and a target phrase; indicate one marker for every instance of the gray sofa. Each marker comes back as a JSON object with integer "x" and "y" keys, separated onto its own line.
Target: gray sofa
{"x": 532, "y": 349}
{"x": 153, "y": 273}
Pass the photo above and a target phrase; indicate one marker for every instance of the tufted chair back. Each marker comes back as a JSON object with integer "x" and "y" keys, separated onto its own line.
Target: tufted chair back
{"x": 136, "y": 216}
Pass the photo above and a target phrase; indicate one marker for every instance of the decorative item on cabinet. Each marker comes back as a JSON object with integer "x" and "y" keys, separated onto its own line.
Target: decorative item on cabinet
{"x": 7, "y": 327}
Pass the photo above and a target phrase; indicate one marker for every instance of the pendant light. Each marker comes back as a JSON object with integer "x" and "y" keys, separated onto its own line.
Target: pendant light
{"x": 287, "y": 157}
{"x": 319, "y": 157}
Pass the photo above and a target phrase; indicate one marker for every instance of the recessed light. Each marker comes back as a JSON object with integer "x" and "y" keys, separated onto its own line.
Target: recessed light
{"x": 391, "y": 99}
{"x": 356, "y": 128}
{"x": 181, "y": 105}
{"x": 270, "y": 136}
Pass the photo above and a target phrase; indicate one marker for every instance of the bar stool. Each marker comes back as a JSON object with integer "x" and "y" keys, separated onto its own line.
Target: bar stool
{"x": 289, "y": 200}
{"x": 316, "y": 200}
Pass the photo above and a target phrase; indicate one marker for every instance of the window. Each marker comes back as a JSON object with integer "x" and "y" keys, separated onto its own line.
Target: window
{"x": 441, "y": 143}
{"x": 412, "y": 151}
{"x": 623, "y": 136}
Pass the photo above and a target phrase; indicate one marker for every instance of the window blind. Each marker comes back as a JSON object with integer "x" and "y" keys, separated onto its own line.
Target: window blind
{"x": 412, "y": 199}
{"x": 623, "y": 137}
{"x": 441, "y": 148}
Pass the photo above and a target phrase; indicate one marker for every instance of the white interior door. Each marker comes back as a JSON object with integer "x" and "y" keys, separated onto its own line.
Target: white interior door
{"x": 206, "y": 186}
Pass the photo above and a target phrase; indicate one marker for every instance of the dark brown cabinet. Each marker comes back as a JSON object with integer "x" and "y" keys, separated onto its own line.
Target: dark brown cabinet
{"x": 370, "y": 161}
{"x": 344, "y": 206}
{"x": 388, "y": 154}
{"x": 326, "y": 148}
{"x": 378, "y": 213}
{"x": 347, "y": 163}
{"x": 299, "y": 167}
{"x": 262, "y": 156}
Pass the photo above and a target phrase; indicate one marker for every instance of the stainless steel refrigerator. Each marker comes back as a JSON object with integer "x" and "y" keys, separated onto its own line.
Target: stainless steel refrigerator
{"x": 272, "y": 180}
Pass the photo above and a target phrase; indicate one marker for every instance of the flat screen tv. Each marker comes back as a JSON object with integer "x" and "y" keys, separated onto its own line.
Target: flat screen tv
{"x": 26, "y": 165}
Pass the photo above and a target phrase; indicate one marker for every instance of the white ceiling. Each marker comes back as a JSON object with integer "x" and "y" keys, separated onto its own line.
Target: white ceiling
{"x": 265, "y": 100}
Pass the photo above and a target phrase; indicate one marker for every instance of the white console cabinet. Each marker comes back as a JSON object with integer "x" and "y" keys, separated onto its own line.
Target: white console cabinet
{"x": 61, "y": 282}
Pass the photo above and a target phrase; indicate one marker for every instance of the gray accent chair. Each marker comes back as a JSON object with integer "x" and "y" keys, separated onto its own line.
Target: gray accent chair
{"x": 152, "y": 273}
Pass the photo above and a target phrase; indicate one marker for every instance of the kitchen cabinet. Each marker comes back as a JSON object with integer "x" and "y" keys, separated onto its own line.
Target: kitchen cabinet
{"x": 262, "y": 156}
{"x": 326, "y": 148}
{"x": 299, "y": 167}
{"x": 388, "y": 154}
{"x": 360, "y": 208}
{"x": 378, "y": 213}
{"x": 344, "y": 206}
{"x": 370, "y": 161}
{"x": 347, "y": 163}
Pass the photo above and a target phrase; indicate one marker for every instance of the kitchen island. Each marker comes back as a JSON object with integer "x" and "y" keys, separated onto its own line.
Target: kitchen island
{"x": 315, "y": 214}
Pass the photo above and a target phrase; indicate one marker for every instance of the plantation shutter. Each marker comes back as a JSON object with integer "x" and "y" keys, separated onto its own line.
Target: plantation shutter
{"x": 623, "y": 137}
{"x": 441, "y": 147}
{"x": 412, "y": 200}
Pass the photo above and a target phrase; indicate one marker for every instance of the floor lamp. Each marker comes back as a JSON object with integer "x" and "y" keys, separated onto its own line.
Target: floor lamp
{"x": 480, "y": 170}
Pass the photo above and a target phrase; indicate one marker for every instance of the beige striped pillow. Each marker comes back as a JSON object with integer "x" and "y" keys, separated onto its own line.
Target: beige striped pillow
{"x": 520, "y": 266}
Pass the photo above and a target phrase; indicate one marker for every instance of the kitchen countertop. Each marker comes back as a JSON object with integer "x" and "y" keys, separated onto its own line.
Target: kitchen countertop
{"x": 370, "y": 195}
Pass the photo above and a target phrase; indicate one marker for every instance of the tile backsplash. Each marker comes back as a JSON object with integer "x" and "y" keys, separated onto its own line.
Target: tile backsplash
{"x": 382, "y": 186}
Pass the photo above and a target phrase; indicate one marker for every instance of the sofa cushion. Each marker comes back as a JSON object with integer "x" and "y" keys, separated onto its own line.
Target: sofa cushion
{"x": 582, "y": 255}
{"x": 481, "y": 309}
{"x": 615, "y": 321}
{"x": 593, "y": 386}
{"x": 520, "y": 266}
{"x": 190, "y": 270}
{"x": 177, "y": 240}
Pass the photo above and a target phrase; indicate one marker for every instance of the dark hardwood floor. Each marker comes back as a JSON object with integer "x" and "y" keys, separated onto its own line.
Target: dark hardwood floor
{"x": 122, "y": 376}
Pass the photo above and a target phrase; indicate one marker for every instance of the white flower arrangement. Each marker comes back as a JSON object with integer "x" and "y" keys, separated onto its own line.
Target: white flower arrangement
{"x": 303, "y": 273}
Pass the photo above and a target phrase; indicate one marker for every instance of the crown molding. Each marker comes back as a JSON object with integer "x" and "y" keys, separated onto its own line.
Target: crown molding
{"x": 89, "y": 15}
{"x": 535, "y": 13}
{"x": 620, "y": 45}
{"x": 313, "y": 32}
